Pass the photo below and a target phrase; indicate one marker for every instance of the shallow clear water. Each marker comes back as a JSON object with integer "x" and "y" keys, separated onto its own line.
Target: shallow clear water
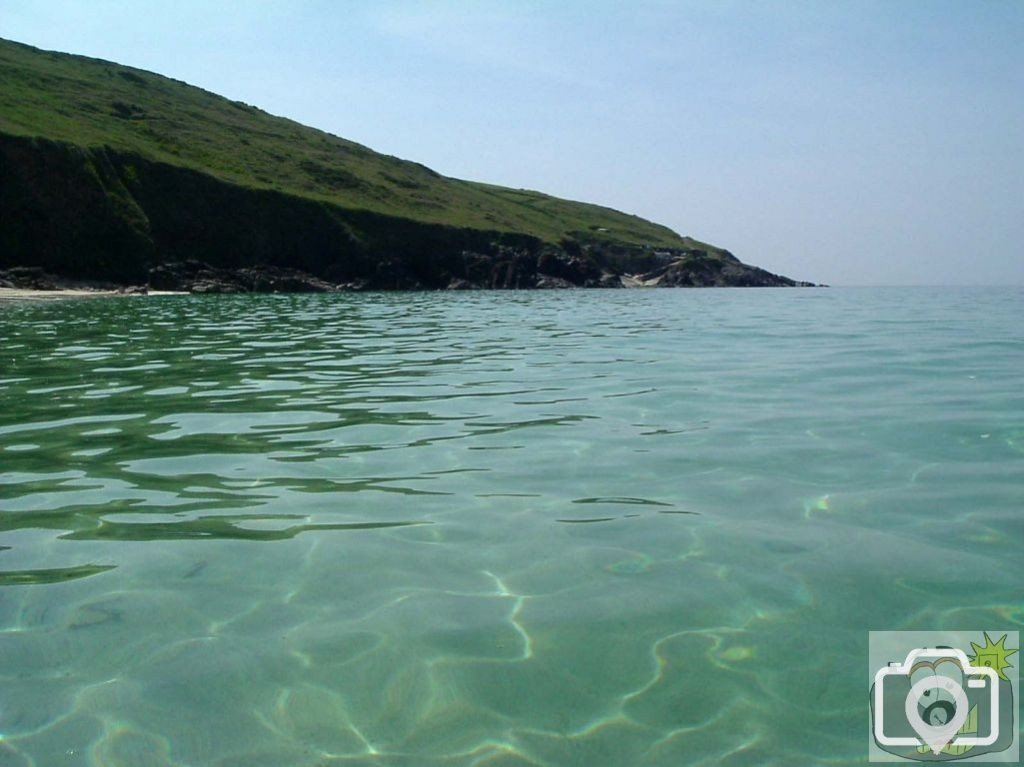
{"x": 504, "y": 529}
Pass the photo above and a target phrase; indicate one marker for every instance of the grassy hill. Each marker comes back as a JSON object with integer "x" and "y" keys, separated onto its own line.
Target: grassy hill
{"x": 95, "y": 103}
{"x": 84, "y": 140}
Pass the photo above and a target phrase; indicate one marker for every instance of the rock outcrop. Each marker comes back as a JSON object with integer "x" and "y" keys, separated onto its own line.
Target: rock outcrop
{"x": 699, "y": 269}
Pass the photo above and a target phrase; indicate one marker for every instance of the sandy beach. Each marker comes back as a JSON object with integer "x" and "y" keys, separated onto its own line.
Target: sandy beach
{"x": 19, "y": 294}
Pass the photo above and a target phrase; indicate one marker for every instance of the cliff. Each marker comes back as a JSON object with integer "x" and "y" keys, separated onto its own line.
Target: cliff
{"x": 113, "y": 174}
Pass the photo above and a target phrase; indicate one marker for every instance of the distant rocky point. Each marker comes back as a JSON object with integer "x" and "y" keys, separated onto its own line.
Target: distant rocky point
{"x": 116, "y": 177}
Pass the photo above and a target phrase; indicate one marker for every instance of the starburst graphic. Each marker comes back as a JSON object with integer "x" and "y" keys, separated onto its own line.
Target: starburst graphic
{"x": 993, "y": 655}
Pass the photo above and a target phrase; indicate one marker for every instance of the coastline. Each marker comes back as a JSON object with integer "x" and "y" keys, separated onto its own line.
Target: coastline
{"x": 519, "y": 271}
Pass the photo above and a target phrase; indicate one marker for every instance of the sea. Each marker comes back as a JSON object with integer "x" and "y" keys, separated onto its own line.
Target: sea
{"x": 606, "y": 528}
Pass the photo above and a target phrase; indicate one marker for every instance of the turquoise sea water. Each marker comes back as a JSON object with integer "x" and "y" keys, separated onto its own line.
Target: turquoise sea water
{"x": 505, "y": 529}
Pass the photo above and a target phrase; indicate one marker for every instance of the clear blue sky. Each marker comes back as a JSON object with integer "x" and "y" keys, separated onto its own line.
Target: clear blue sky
{"x": 850, "y": 142}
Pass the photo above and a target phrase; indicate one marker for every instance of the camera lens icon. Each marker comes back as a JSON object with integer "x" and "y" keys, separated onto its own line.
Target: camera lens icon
{"x": 935, "y": 707}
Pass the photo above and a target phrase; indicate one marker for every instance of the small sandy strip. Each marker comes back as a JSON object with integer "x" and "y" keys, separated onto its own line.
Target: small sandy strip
{"x": 14, "y": 294}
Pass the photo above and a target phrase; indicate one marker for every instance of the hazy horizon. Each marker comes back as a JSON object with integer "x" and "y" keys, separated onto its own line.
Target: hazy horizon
{"x": 851, "y": 144}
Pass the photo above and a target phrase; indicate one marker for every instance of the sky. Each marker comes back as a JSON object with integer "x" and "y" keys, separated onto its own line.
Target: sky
{"x": 850, "y": 143}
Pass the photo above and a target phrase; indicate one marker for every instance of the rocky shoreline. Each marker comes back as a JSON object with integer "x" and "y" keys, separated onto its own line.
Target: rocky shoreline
{"x": 505, "y": 269}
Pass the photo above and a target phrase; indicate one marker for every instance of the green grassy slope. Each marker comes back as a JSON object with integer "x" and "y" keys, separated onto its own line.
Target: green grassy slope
{"x": 92, "y": 104}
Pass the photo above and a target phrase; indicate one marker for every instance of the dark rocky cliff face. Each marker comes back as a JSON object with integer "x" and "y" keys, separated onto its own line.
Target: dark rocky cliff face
{"x": 103, "y": 215}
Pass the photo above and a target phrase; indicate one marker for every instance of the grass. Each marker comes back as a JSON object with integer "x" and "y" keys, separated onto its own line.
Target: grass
{"x": 93, "y": 103}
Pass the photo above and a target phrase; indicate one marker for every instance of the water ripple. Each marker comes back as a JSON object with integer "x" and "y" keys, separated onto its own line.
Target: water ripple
{"x": 597, "y": 527}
